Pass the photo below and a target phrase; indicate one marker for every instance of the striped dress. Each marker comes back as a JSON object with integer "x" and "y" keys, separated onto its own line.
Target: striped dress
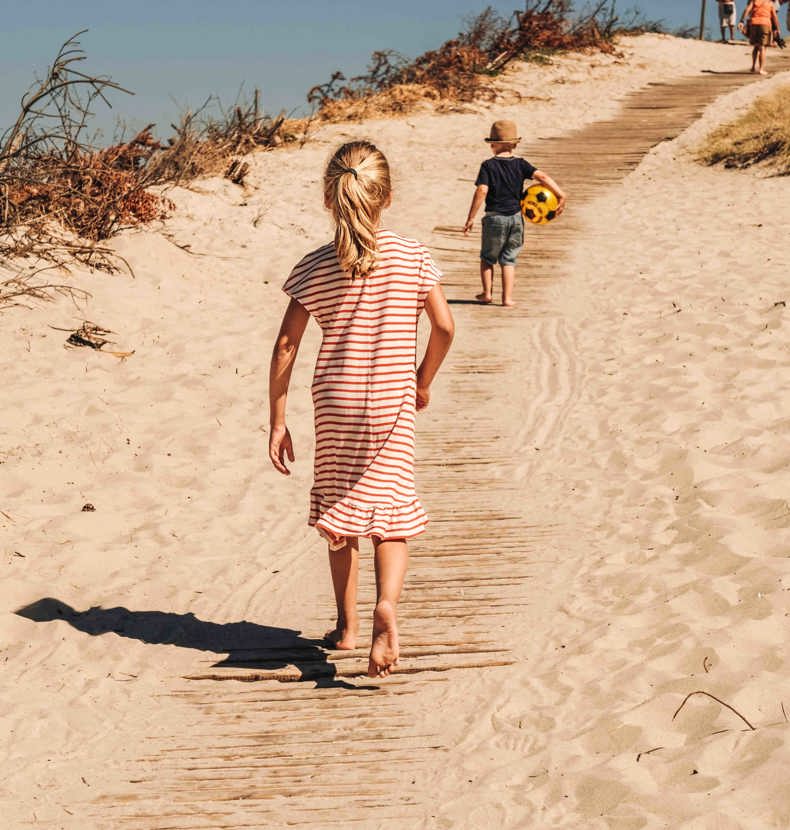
{"x": 364, "y": 388}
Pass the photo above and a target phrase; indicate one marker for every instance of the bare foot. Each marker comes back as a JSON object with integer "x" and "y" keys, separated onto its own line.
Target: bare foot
{"x": 385, "y": 649}
{"x": 762, "y": 72}
{"x": 509, "y": 304}
{"x": 482, "y": 298}
{"x": 342, "y": 637}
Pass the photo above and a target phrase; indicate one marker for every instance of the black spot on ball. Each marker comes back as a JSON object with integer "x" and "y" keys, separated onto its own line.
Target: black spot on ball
{"x": 551, "y": 214}
{"x": 529, "y": 213}
{"x": 542, "y": 197}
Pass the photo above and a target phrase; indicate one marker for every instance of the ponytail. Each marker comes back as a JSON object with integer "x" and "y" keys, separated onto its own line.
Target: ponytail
{"x": 357, "y": 187}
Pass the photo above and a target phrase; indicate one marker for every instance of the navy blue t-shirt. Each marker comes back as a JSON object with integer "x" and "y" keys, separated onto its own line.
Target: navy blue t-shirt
{"x": 505, "y": 180}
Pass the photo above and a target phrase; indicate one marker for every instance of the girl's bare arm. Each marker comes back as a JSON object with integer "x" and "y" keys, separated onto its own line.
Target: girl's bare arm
{"x": 545, "y": 179}
{"x": 442, "y": 331}
{"x": 283, "y": 356}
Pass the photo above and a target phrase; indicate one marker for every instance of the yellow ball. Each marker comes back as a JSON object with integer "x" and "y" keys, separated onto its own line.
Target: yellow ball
{"x": 539, "y": 204}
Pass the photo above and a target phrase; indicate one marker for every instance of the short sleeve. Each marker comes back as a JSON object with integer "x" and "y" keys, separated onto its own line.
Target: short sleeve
{"x": 528, "y": 169}
{"x": 482, "y": 176}
{"x": 299, "y": 285}
{"x": 429, "y": 277}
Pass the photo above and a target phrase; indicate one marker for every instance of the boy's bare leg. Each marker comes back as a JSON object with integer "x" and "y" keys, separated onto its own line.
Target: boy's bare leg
{"x": 487, "y": 280}
{"x": 344, "y": 565}
{"x": 391, "y": 559}
{"x": 508, "y": 281}
{"x": 755, "y": 53}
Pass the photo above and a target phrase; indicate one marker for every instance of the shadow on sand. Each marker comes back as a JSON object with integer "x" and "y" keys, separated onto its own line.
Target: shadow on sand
{"x": 727, "y": 72}
{"x": 246, "y": 644}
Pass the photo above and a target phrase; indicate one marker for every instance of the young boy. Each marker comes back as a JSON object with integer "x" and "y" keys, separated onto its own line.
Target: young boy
{"x": 499, "y": 184}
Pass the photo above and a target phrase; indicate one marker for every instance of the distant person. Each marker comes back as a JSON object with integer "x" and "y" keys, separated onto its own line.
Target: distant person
{"x": 366, "y": 291}
{"x": 763, "y": 22}
{"x": 500, "y": 183}
{"x": 727, "y": 13}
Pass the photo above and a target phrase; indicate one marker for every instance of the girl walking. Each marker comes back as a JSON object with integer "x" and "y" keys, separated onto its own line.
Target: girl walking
{"x": 366, "y": 291}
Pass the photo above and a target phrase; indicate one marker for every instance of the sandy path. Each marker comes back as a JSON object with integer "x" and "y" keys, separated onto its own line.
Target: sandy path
{"x": 524, "y": 468}
{"x": 666, "y": 467}
{"x": 358, "y": 752}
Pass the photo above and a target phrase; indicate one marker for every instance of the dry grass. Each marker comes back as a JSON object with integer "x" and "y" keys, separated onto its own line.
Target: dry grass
{"x": 397, "y": 100}
{"x": 762, "y": 134}
{"x": 460, "y": 70}
{"x": 61, "y": 197}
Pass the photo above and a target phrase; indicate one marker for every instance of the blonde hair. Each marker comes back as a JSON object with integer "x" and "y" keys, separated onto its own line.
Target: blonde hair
{"x": 357, "y": 188}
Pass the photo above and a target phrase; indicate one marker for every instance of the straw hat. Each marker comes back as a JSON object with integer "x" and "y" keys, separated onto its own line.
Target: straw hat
{"x": 503, "y": 131}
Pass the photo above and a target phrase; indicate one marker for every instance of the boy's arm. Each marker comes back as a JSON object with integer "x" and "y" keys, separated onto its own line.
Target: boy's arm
{"x": 545, "y": 179}
{"x": 477, "y": 202}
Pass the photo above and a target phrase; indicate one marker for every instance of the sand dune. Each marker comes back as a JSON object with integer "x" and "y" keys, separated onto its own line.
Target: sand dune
{"x": 610, "y": 536}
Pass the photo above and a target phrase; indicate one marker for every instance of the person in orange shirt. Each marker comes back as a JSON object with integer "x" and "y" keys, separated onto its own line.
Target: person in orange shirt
{"x": 763, "y": 22}
{"x": 727, "y": 19}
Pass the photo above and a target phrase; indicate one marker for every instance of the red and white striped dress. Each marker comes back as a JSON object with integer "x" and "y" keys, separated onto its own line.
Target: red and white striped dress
{"x": 364, "y": 388}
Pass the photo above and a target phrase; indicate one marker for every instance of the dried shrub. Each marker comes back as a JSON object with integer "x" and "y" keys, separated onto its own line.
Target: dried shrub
{"x": 93, "y": 194}
{"x": 61, "y": 196}
{"x": 209, "y": 140}
{"x": 397, "y": 100}
{"x": 460, "y": 69}
{"x": 761, "y": 134}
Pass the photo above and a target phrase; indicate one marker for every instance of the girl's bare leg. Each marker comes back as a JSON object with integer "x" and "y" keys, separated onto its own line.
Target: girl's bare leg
{"x": 391, "y": 559}
{"x": 508, "y": 281}
{"x": 761, "y": 61}
{"x": 487, "y": 281}
{"x": 755, "y": 53}
{"x": 344, "y": 565}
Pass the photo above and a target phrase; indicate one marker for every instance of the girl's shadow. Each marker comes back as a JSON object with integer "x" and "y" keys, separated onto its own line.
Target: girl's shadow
{"x": 246, "y": 644}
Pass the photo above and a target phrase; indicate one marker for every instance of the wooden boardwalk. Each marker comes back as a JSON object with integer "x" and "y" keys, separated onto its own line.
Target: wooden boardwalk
{"x": 342, "y": 750}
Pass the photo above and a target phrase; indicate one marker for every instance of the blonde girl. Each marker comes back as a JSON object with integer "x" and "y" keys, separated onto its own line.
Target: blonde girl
{"x": 366, "y": 291}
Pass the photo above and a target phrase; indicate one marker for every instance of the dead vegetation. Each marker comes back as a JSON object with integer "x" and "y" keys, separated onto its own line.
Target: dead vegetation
{"x": 211, "y": 141}
{"x": 461, "y": 69}
{"x": 23, "y": 287}
{"x": 760, "y": 135}
{"x": 61, "y": 197}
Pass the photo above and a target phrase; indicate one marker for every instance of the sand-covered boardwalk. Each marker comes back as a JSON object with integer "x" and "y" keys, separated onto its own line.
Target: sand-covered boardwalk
{"x": 605, "y": 467}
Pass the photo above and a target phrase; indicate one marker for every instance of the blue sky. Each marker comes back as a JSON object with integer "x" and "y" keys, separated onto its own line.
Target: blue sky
{"x": 175, "y": 53}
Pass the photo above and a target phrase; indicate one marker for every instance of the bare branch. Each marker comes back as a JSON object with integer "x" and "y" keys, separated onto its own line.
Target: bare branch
{"x": 718, "y": 700}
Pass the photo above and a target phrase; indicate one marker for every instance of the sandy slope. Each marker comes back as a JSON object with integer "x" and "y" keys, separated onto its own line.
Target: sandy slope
{"x": 671, "y": 464}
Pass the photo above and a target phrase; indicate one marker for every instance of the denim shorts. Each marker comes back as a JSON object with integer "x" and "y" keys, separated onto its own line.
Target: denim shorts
{"x": 503, "y": 238}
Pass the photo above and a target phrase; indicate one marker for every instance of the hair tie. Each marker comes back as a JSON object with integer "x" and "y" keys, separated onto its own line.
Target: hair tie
{"x": 344, "y": 169}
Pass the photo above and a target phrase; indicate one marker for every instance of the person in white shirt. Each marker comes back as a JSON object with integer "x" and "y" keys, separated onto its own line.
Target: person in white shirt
{"x": 727, "y": 14}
